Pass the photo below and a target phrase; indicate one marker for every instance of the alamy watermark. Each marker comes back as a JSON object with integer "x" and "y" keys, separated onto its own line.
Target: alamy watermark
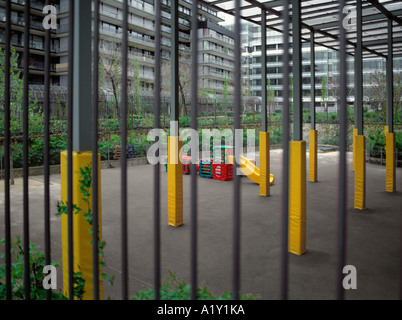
{"x": 199, "y": 147}
{"x": 349, "y": 22}
{"x": 50, "y": 279}
{"x": 50, "y": 20}
{"x": 350, "y": 280}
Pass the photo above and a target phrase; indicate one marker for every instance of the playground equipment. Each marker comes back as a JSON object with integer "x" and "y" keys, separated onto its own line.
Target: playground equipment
{"x": 249, "y": 169}
{"x": 221, "y": 167}
{"x": 205, "y": 169}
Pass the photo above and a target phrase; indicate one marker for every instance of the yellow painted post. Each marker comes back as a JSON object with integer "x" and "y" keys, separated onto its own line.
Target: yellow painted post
{"x": 297, "y": 198}
{"x": 360, "y": 173}
{"x": 175, "y": 182}
{"x": 355, "y": 133}
{"x": 82, "y": 237}
{"x": 264, "y": 164}
{"x": 313, "y": 160}
{"x": 390, "y": 162}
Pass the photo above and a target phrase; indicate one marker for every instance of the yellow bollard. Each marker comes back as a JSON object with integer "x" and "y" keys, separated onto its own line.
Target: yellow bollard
{"x": 313, "y": 160}
{"x": 82, "y": 237}
{"x": 355, "y": 133}
{"x": 175, "y": 182}
{"x": 297, "y": 198}
{"x": 360, "y": 173}
{"x": 390, "y": 162}
{"x": 264, "y": 164}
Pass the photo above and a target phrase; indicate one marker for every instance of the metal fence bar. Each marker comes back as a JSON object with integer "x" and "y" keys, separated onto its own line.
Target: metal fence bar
{"x": 285, "y": 159}
{"x": 194, "y": 152}
{"x": 390, "y": 79}
{"x": 157, "y": 125}
{"x": 70, "y": 152}
{"x": 123, "y": 128}
{"x": 342, "y": 184}
{"x": 25, "y": 147}
{"x": 95, "y": 165}
{"x": 359, "y": 69}
{"x": 313, "y": 81}
{"x": 7, "y": 143}
{"x": 237, "y": 126}
{"x": 297, "y": 71}
{"x": 264, "y": 104}
{"x": 46, "y": 153}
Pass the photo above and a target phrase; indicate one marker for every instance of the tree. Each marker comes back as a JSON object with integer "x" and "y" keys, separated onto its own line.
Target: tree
{"x": 225, "y": 101}
{"x": 324, "y": 94}
{"x": 332, "y": 83}
{"x": 110, "y": 66}
{"x": 16, "y": 100}
{"x": 136, "y": 89}
{"x": 35, "y": 118}
{"x": 215, "y": 104}
{"x": 291, "y": 94}
{"x": 184, "y": 79}
{"x": 376, "y": 92}
{"x": 270, "y": 97}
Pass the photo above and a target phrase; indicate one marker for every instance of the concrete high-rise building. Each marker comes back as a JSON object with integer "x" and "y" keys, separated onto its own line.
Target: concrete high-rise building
{"x": 326, "y": 69}
{"x": 216, "y": 43}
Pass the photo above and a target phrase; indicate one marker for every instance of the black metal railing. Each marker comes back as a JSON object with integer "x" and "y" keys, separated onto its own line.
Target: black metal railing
{"x": 236, "y": 267}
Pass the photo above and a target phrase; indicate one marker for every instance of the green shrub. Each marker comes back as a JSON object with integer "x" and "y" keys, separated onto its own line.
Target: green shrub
{"x": 184, "y": 122}
{"x": 174, "y": 289}
{"x": 36, "y": 265}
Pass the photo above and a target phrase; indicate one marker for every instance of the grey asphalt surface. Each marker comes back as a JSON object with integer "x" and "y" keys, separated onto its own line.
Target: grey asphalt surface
{"x": 373, "y": 242}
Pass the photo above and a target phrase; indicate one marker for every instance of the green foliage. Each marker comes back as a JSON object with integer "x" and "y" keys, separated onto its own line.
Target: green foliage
{"x": 140, "y": 142}
{"x": 85, "y": 184}
{"x": 16, "y": 100}
{"x": 225, "y": 102}
{"x": 275, "y": 135}
{"x": 36, "y": 265}
{"x": 175, "y": 289}
{"x": 184, "y": 122}
{"x": 333, "y": 140}
{"x": 270, "y": 93}
{"x": 324, "y": 90}
{"x": 136, "y": 88}
{"x": 376, "y": 142}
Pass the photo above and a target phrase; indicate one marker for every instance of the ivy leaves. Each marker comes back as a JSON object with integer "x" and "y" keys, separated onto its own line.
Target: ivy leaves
{"x": 85, "y": 185}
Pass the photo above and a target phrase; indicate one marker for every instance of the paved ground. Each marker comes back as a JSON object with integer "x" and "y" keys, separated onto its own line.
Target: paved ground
{"x": 373, "y": 246}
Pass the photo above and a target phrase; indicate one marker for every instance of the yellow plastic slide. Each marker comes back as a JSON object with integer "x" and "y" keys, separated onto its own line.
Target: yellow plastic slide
{"x": 250, "y": 170}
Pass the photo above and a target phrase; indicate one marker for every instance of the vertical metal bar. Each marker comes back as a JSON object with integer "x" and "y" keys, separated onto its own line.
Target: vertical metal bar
{"x": 82, "y": 77}
{"x": 46, "y": 155}
{"x": 123, "y": 126}
{"x": 390, "y": 80}
{"x": 285, "y": 159}
{"x": 95, "y": 165}
{"x": 157, "y": 125}
{"x": 264, "y": 69}
{"x": 25, "y": 147}
{"x": 174, "y": 105}
{"x": 342, "y": 184}
{"x": 359, "y": 69}
{"x": 297, "y": 72}
{"x": 194, "y": 152}
{"x": 70, "y": 152}
{"x": 312, "y": 91}
{"x": 7, "y": 154}
{"x": 237, "y": 126}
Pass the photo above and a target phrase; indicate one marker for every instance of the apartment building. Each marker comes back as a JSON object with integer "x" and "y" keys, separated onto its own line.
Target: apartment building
{"x": 326, "y": 68}
{"x": 216, "y": 57}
